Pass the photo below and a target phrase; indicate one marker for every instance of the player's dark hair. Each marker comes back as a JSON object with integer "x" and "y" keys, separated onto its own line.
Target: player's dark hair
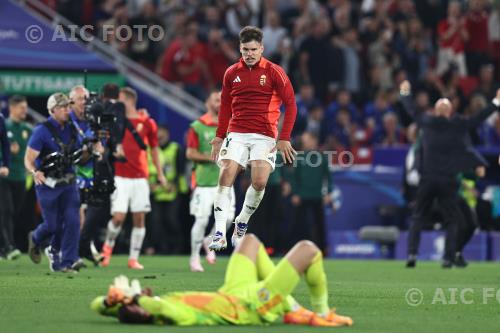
{"x": 16, "y": 99}
{"x": 110, "y": 91}
{"x": 250, "y": 33}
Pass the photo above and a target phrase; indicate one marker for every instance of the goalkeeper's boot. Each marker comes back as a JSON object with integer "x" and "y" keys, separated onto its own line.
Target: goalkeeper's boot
{"x": 331, "y": 319}
{"x": 34, "y": 250}
{"x": 300, "y": 316}
{"x": 54, "y": 259}
{"x": 210, "y": 255}
{"x": 240, "y": 230}
{"x": 134, "y": 264}
{"x": 218, "y": 242}
{"x": 195, "y": 265}
{"x": 107, "y": 251}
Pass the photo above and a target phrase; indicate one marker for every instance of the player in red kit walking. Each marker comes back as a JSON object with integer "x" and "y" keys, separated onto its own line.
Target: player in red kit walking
{"x": 131, "y": 179}
{"x": 252, "y": 92}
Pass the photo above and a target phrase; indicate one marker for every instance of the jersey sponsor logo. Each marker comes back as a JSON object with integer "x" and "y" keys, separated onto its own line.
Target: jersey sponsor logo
{"x": 263, "y": 80}
{"x": 237, "y": 80}
{"x": 250, "y": 207}
{"x": 218, "y": 209}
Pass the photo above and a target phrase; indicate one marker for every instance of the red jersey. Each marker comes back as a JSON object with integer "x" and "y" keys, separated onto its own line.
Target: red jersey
{"x": 137, "y": 160}
{"x": 455, "y": 42}
{"x": 251, "y": 100}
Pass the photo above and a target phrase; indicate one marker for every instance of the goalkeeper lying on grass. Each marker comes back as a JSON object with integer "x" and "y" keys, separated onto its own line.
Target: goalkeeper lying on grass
{"x": 255, "y": 292}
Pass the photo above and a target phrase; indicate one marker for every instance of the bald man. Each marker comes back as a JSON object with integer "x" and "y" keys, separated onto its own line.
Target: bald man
{"x": 446, "y": 152}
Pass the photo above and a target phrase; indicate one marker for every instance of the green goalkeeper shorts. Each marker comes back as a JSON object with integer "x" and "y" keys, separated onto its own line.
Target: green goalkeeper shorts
{"x": 266, "y": 299}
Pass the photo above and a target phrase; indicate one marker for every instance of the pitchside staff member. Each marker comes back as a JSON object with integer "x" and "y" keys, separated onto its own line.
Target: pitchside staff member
{"x": 98, "y": 215}
{"x": 444, "y": 148}
{"x": 18, "y": 133}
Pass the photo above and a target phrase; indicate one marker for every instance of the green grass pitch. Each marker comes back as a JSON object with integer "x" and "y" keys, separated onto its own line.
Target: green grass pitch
{"x": 373, "y": 292}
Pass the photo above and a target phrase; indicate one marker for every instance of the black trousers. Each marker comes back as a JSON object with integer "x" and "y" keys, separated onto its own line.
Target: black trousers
{"x": 470, "y": 218}
{"x": 96, "y": 217}
{"x": 163, "y": 231}
{"x": 309, "y": 223}
{"x": 445, "y": 192}
{"x": 12, "y": 195}
{"x": 266, "y": 221}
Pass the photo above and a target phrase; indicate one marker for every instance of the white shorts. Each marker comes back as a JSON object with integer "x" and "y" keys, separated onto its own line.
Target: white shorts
{"x": 245, "y": 147}
{"x": 202, "y": 202}
{"x": 130, "y": 193}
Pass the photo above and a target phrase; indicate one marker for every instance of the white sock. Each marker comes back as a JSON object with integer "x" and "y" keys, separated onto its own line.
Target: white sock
{"x": 136, "y": 239}
{"x": 222, "y": 203}
{"x": 251, "y": 203}
{"x": 112, "y": 233}
{"x": 197, "y": 235}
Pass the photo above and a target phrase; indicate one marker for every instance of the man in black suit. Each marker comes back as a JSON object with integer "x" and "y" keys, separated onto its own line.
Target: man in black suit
{"x": 446, "y": 152}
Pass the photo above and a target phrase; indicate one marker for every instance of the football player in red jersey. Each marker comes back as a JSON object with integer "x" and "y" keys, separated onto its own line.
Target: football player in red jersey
{"x": 247, "y": 134}
{"x": 131, "y": 179}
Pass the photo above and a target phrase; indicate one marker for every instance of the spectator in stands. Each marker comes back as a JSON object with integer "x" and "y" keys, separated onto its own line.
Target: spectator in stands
{"x": 142, "y": 48}
{"x": 492, "y": 135}
{"x": 341, "y": 132}
{"x": 274, "y": 34}
{"x": 452, "y": 34}
{"x": 315, "y": 123}
{"x": 476, "y": 47}
{"x": 305, "y": 101}
{"x": 343, "y": 101}
{"x": 487, "y": 86}
{"x": 314, "y": 54}
{"x": 494, "y": 35}
{"x": 184, "y": 63}
{"x": 477, "y": 103}
{"x": 241, "y": 13}
{"x": 351, "y": 47}
{"x": 219, "y": 54}
{"x": 376, "y": 110}
{"x": 390, "y": 135}
{"x": 210, "y": 20}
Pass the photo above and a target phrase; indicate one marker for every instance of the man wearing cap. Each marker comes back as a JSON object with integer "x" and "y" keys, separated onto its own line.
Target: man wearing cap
{"x": 52, "y": 151}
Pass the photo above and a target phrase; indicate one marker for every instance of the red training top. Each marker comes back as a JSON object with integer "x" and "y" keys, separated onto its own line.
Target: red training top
{"x": 251, "y": 100}
{"x": 137, "y": 160}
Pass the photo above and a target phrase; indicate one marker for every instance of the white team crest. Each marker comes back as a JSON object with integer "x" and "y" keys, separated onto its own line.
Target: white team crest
{"x": 237, "y": 80}
{"x": 139, "y": 127}
{"x": 263, "y": 80}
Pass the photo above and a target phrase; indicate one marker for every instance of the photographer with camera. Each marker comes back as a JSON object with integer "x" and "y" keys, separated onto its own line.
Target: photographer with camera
{"x": 84, "y": 174}
{"x": 106, "y": 119}
{"x": 131, "y": 179}
{"x": 52, "y": 152}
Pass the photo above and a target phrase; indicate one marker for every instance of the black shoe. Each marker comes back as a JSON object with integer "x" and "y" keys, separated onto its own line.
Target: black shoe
{"x": 33, "y": 250}
{"x": 447, "y": 264}
{"x": 460, "y": 261}
{"x": 412, "y": 261}
{"x": 77, "y": 265}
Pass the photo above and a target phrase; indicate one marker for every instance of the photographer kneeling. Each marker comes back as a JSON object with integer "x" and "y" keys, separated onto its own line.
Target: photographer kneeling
{"x": 52, "y": 152}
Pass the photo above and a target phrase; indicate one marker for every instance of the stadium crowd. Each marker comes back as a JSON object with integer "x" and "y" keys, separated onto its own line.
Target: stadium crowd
{"x": 346, "y": 59}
